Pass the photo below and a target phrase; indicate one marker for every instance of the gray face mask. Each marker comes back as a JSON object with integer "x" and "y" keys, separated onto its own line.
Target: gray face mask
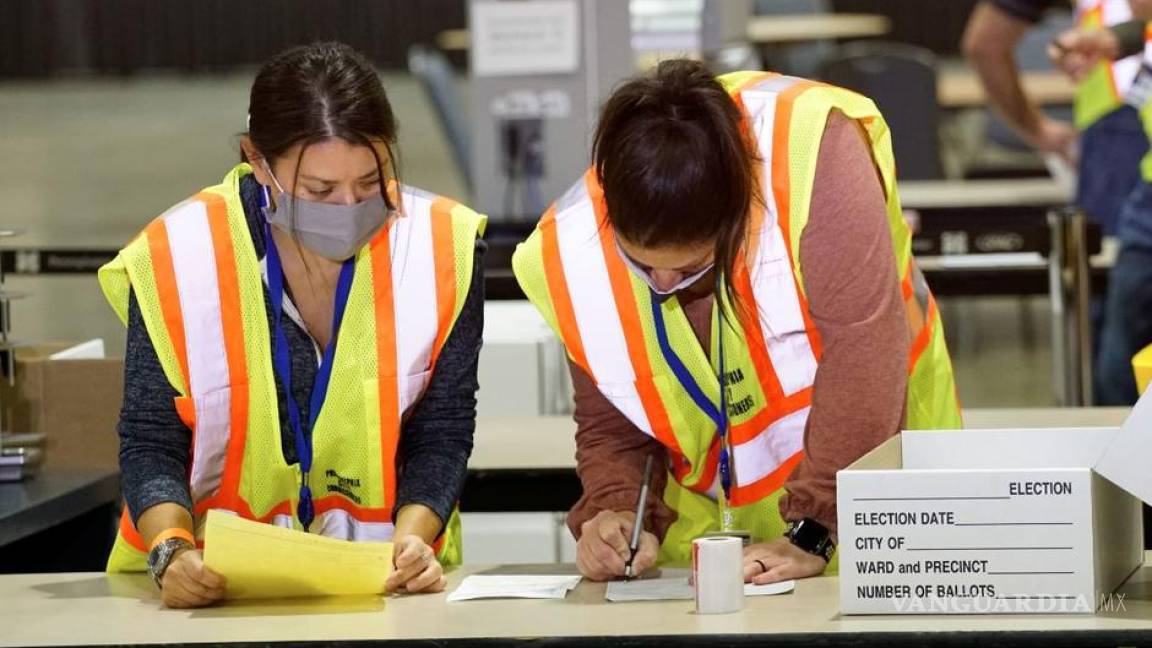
{"x": 334, "y": 232}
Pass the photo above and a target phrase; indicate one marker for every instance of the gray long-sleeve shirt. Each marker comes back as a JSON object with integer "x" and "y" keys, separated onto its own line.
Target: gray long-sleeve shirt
{"x": 435, "y": 440}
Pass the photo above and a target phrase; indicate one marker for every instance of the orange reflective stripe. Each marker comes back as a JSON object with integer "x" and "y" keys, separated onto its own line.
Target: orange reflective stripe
{"x": 285, "y": 508}
{"x": 129, "y": 533}
{"x": 385, "y": 306}
{"x": 711, "y": 467}
{"x": 444, "y": 254}
{"x": 201, "y": 508}
{"x": 360, "y": 513}
{"x": 781, "y": 137}
{"x": 232, "y": 323}
{"x": 753, "y": 80}
{"x": 619, "y": 278}
{"x": 907, "y": 290}
{"x": 765, "y": 486}
{"x": 169, "y": 295}
{"x": 773, "y": 411}
{"x": 924, "y": 336}
{"x": 782, "y": 189}
{"x": 558, "y": 290}
{"x": 186, "y": 409}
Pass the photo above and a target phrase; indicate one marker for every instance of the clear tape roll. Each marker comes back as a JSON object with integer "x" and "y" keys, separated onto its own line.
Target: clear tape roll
{"x": 718, "y": 574}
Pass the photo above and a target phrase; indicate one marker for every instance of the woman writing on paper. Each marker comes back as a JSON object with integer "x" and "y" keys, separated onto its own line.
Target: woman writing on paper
{"x": 742, "y": 231}
{"x": 302, "y": 341}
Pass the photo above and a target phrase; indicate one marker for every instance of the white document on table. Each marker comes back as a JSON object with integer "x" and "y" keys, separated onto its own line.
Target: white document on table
{"x": 673, "y": 585}
{"x": 514, "y": 586}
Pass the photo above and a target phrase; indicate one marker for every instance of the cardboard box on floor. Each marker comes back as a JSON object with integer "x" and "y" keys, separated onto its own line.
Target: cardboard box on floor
{"x": 995, "y": 521}
{"x": 74, "y": 403}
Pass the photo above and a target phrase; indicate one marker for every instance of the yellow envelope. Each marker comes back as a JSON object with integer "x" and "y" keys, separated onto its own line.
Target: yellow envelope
{"x": 266, "y": 561}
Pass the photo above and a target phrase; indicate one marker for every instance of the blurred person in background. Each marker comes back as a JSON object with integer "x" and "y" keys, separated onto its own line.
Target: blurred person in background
{"x": 1128, "y": 314}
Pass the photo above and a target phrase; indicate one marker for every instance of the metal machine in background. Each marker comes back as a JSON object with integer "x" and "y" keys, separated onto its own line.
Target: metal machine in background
{"x": 20, "y": 454}
{"x": 539, "y": 72}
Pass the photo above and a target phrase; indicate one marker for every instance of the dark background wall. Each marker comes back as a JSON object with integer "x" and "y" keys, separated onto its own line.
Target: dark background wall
{"x": 41, "y": 38}
{"x": 935, "y": 24}
{"x": 44, "y": 37}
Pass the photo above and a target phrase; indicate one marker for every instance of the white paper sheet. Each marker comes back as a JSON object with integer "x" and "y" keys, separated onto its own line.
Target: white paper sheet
{"x": 673, "y": 585}
{"x": 90, "y": 350}
{"x": 514, "y": 586}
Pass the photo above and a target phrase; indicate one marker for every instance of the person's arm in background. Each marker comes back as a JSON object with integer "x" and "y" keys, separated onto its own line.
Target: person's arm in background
{"x": 1077, "y": 51}
{"x": 989, "y": 44}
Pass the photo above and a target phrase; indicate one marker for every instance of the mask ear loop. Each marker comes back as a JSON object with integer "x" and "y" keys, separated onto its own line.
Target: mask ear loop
{"x": 264, "y": 198}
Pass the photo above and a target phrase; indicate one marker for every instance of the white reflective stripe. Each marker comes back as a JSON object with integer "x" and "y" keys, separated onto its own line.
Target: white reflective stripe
{"x": 780, "y": 314}
{"x": 1114, "y": 12}
{"x": 597, "y": 318}
{"x": 340, "y": 524}
{"x": 625, "y": 398}
{"x": 773, "y": 284}
{"x": 334, "y": 523}
{"x": 413, "y": 292}
{"x": 761, "y": 109}
{"x": 194, "y": 264}
{"x": 213, "y": 426}
{"x": 575, "y": 194}
{"x": 283, "y": 521}
{"x": 1124, "y": 73}
{"x": 762, "y": 455}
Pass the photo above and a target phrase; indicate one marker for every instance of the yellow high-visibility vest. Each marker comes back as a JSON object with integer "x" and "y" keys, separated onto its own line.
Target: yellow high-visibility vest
{"x": 197, "y": 279}
{"x": 571, "y": 269}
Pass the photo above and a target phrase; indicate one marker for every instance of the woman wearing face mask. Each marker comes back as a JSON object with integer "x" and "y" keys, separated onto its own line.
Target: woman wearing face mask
{"x": 746, "y": 231}
{"x": 302, "y": 341}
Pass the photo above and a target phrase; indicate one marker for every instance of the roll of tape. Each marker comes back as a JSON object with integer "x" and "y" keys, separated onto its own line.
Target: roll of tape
{"x": 718, "y": 574}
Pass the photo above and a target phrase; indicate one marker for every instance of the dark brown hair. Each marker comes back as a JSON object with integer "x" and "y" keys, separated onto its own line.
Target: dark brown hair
{"x": 310, "y": 93}
{"x": 676, "y": 167}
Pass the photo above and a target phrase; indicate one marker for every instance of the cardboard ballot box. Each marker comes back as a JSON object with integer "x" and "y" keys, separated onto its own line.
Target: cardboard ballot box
{"x": 994, "y": 521}
{"x": 74, "y": 403}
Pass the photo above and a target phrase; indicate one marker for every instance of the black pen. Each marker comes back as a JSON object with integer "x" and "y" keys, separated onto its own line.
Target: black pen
{"x": 638, "y": 525}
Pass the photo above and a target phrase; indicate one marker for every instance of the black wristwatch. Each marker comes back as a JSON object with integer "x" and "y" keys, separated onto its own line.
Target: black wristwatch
{"x": 161, "y": 556}
{"x": 813, "y": 537}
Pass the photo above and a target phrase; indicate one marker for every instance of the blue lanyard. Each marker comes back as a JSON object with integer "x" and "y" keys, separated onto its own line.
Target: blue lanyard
{"x": 282, "y": 363}
{"x": 719, "y": 415}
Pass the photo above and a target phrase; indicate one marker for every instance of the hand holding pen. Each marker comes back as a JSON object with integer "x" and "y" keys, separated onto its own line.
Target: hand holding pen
{"x": 605, "y": 545}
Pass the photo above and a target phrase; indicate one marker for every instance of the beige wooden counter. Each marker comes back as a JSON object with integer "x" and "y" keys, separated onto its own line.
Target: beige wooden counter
{"x": 960, "y": 87}
{"x": 786, "y": 28}
{"x": 94, "y": 609}
{"x": 548, "y": 442}
{"x": 1016, "y": 192}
